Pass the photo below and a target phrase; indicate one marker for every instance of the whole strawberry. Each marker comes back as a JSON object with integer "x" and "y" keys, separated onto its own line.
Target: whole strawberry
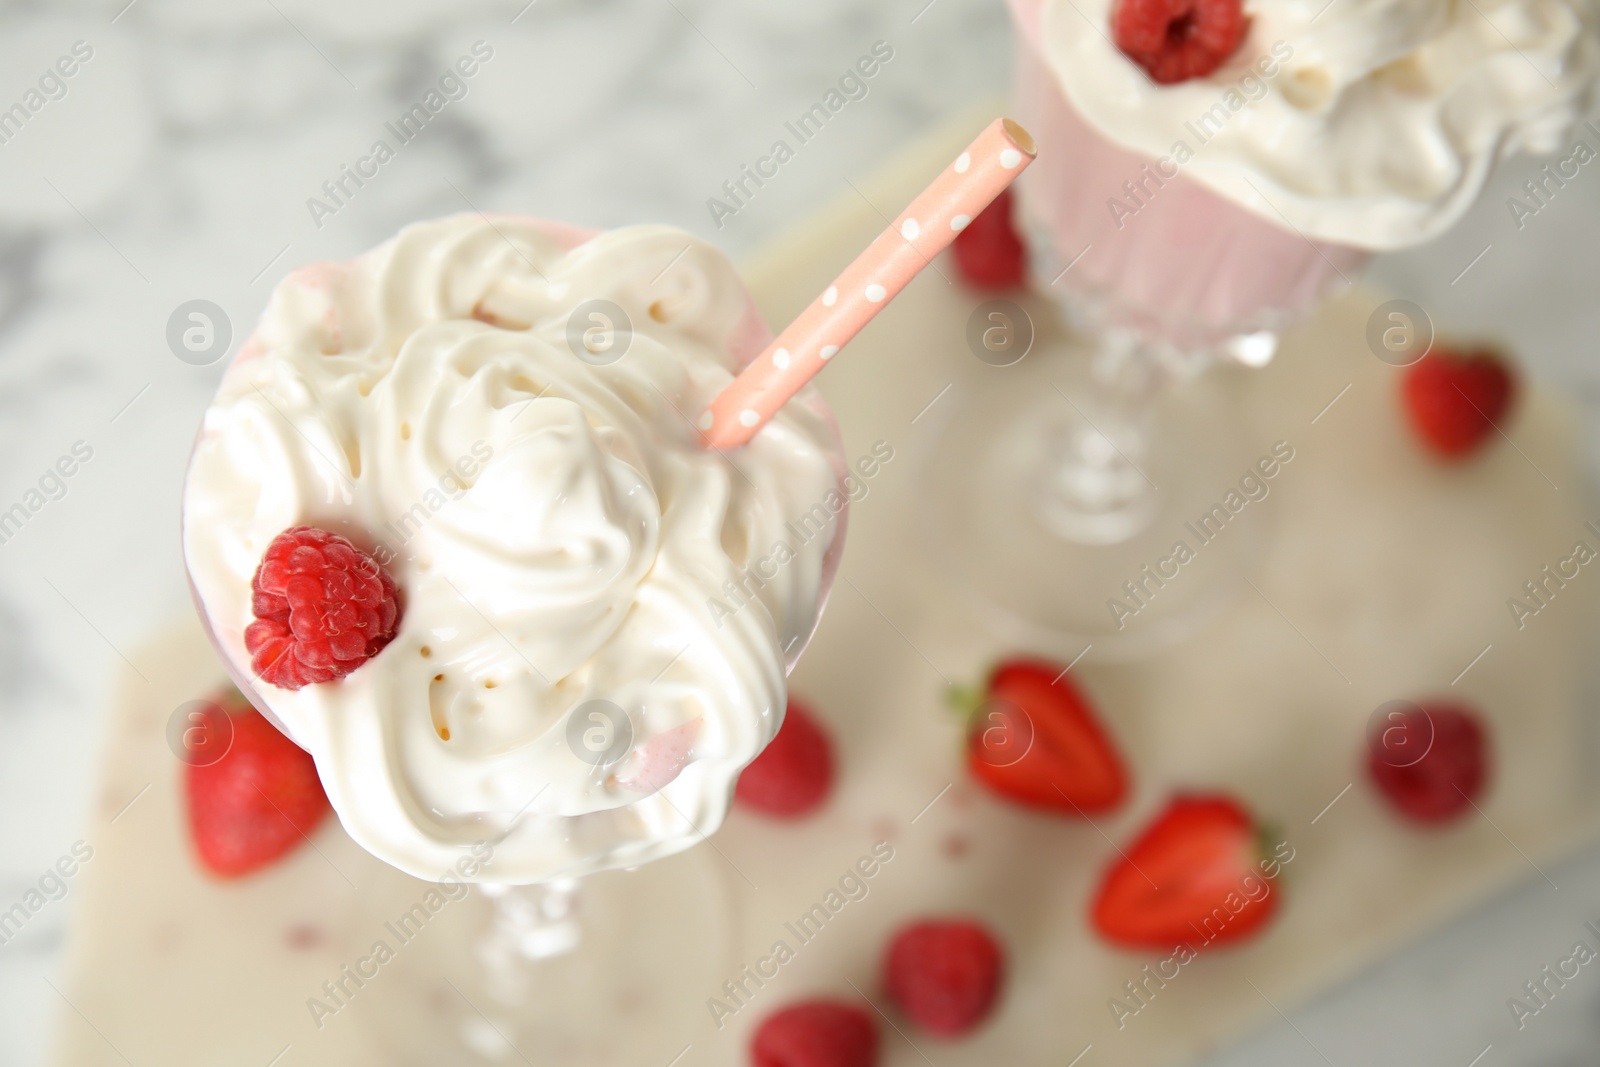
{"x": 1457, "y": 399}
{"x": 989, "y": 254}
{"x": 1034, "y": 738}
{"x": 258, "y": 802}
{"x": 323, "y": 608}
{"x": 1441, "y": 783}
{"x": 816, "y": 1033}
{"x": 1195, "y": 875}
{"x": 1175, "y": 40}
{"x": 945, "y": 974}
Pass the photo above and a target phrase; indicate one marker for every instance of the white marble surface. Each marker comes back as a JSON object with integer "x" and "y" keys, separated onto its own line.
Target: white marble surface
{"x": 178, "y": 165}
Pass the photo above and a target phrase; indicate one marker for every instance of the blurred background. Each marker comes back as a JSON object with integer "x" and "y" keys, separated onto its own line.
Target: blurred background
{"x": 177, "y": 166}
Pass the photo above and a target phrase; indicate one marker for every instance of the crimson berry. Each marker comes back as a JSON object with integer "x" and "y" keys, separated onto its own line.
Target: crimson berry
{"x": 323, "y": 608}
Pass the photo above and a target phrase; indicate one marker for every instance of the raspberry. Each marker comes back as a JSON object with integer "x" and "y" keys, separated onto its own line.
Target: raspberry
{"x": 816, "y": 1033}
{"x": 793, "y": 774}
{"x": 989, "y": 254}
{"x": 945, "y": 974}
{"x": 322, "y": 607}
{"x": 1456, "y": 399}
{"x": 1175, "y": 40}
{"x": 259, "y": 801}
{"x": 1451, "y": 773}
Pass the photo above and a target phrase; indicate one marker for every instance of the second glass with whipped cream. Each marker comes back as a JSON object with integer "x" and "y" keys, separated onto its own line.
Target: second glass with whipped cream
{"x": 1214, "y": 194}
{"x": 1208, "y": 170}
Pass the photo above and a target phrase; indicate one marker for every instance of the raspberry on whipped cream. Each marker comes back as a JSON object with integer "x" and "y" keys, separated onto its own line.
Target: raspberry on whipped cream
{"x": 1176, "y": 40}
{"x": 322, "y": 606}
{"x": 565, "y": 678}
{"x": 1370, "y": 123}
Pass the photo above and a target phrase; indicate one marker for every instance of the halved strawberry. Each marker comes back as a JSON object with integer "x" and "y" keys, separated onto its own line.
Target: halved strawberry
{"x": 1195, "y": 876}
{"x": 1034, "y": 738}
{"x": 259, "y": 801}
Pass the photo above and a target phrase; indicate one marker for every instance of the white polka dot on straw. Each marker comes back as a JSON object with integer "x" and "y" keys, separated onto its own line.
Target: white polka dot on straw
{"x": 907, "y": 245}
{"x": 706, "y": 419}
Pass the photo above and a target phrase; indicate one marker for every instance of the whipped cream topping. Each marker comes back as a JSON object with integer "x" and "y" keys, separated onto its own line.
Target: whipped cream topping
{"x": 558, "y": 536}
{"x": 1372, "y": 123}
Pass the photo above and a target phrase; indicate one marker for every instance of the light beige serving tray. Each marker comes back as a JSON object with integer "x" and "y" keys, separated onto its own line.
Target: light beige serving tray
{"x": 1388, "y": 578}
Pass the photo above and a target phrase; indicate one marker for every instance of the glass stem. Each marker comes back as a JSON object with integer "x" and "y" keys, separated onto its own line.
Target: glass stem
{"x": 529, "y": 923}
{"x": 1095, "y": 485}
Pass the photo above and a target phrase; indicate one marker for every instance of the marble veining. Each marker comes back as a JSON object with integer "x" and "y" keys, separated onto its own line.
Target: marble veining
{"x": 178, "y": 166}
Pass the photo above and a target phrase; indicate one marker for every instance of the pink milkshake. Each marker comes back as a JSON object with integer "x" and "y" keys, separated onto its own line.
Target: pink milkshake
{"x": 1148, "y": 246}
{"x": 1220, "y": 204}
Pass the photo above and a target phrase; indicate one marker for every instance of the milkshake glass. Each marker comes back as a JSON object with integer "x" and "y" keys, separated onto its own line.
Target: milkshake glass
{"x": 1182, "y": 226}
{"x": 597, "y": 614}
{"x": 1160, "y": 253}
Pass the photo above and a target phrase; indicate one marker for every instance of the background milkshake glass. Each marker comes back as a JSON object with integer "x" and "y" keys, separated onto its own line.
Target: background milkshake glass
{"x": 1255, "y": 192}
{"x": 1160, "y": 252}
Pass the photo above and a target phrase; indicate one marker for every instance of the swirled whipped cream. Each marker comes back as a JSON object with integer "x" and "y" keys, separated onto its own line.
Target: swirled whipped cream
{"x": 1372, "y": 123}
{"x": 584, "y": 661}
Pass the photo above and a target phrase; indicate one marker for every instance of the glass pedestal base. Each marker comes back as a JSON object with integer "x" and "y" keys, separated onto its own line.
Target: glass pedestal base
{"x": 608, "y": 970}
{"x": 1070, "y": 529}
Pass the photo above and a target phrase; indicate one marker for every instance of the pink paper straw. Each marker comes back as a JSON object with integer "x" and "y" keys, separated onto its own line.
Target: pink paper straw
{"x": 978, "y": 175}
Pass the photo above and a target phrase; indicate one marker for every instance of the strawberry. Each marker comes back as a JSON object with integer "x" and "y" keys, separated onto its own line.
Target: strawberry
{"x": 816, "y": 1033}
{"x": 945, "y": 974}
{"x": 794, "y": 773}
{"x": 257, "y": 802}
{"x": 1175, "y": 40}
{"x": 1195, "y": 876}
{"x": 1034, "y": 738}
{"x": 1441, "y": 784}
{"x": 988, "y": 253}
{"x": 1456, "y": 399}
